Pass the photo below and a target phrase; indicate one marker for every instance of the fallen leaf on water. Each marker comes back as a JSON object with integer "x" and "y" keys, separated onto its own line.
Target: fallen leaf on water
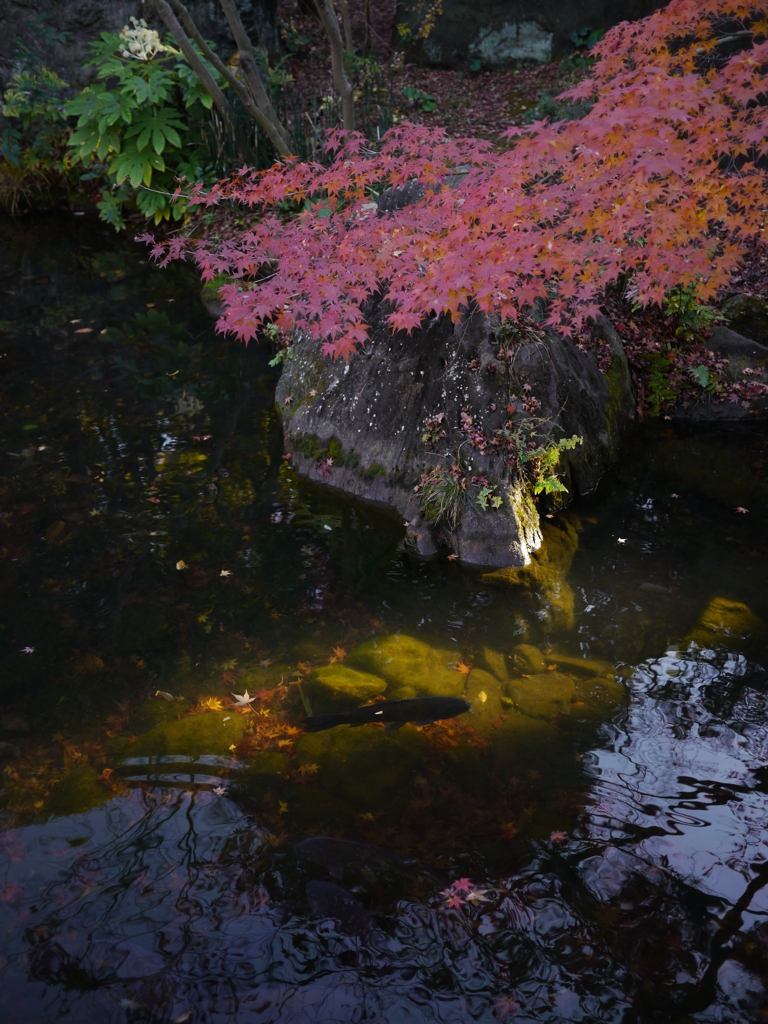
{"x": 265, "y": 662}
{"x": 558, "y": 837}
{"x": 742, "y": 510}
{"x": 211, "y": 704}
{"x": 104, "y": 777}
{"x": 84, "y": 330}
{"x": 27, "y": 650}
{"x": 482, "y": 696}
{"x": 621, "y": 540}
{"x": 243, "y": 700}
{"x": 505, "y": 1008}
{"x": 55, "y": 529}
{"x": 225, "y": 572}
{"x": 460, "y": 885}
{"x": 312, "y": 769}
{"x": 674, "y": 495}
{"x": 551, "y": 668}
{"x": 219, "y": 790}
{"x": 508, "y": 830}
{"x": 339, "y": 654}
{"x": 164, "y": 694}
{"x": 155, "y": 501}
{"x": 283, "y": 808}
{"x": 463, "y": 668}
{"x": 232, "y": 747}
{"x": 181, "y": 564}
{"x": 452, "y": 558}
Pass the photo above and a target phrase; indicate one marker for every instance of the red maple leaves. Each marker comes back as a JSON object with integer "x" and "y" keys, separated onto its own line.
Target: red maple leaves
{"x": 659, "y": 183}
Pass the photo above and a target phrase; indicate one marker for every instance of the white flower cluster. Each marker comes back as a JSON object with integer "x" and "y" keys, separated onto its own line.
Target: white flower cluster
{"x": 142, "y": 43}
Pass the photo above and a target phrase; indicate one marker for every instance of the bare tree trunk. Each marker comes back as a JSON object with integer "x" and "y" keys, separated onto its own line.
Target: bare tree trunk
{"x": 265, "y": 117}
{"x": 367, "y": 43}
{"x": 348, "y": 41}
{"x": 251, "y": 72}
{"x": 197, "y": 65}
{"x": 340, "y": 80}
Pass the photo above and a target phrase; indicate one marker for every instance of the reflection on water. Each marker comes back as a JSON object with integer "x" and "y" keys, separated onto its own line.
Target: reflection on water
{"x": 587, "y": 843}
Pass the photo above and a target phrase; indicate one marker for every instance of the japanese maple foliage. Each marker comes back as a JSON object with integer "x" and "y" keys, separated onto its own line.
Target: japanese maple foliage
{"x": 660, "y": 182}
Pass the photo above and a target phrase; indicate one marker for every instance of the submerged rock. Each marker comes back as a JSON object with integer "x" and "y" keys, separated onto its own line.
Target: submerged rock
{"x": 361, "y": 428}
{"x": 546, "y": 695}
{"x": 212, "y": 732}
{"x": 497, "y": 663}
{"x": 484, "y": 693}
{"x": 527, "y": 658}
{"x": 724, "y": 621}
{"x": 411, "y": 667}
{"x": 333, "y": 686}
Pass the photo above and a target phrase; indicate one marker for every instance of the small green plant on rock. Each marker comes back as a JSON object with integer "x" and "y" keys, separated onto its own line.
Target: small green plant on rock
{"x": 693, "y": 317}
{"x": 443, "y": 495}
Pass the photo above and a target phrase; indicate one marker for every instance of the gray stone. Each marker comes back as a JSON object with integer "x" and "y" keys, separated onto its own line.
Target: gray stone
{"x": 504, "y": 32}
{"x": 367, "y": 417}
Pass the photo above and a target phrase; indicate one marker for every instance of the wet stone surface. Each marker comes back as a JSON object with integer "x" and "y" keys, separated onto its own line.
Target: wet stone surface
{"x": 174, "y": 600}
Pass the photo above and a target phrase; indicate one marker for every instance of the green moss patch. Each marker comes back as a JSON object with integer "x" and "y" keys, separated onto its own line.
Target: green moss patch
{"x": 545, "y": 695}
{"x": 77, "y": 792}
{"x": 411, "y": 667}
{"x": 336, "y": 686}
{"x": 724, "y": 621}
{"x": 193, "y": 735}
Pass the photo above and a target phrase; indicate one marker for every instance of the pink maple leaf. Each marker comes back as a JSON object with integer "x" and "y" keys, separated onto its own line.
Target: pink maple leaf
{"x": 461, "y": 885}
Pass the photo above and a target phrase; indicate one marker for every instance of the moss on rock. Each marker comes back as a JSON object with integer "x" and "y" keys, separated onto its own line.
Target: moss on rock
{"x": 748, "y": 315}
{"x": 368, "y": 766}
{"x": 724, "y": 621}
{"x": 545, "y": 695}
{"x": 597, "y": 698}
{"x": 210, "y": 733}
{"x": 521, "y": 744}
{"x": 529, "y": 659}
{"x": 582, "y": 666}
{"x": 79, "y": 791}
{"x": 497, "y": 663}
{"x": 411, "y": 667}
{"x": 484, "y": 693}
{"x": 333, "y": 686}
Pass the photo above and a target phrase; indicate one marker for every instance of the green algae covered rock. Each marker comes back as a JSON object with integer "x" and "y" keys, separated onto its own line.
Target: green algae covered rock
{"x": 212, "y": 732}
{"x": 411, "y": 667}
{"x": 748, "y": 316}
{"x": 545, "y": 695}
{"x": 484, "y": 693}
{"x": 724, "y": 621}
{"x": 79, "y": 791}
{"x": 581, "y": 666}
{"x": 597, "y": 698}
{"x": 337, "y": 686}
{"x": 527, "y": 658}
{"x": 496, "y": 663}
{"x": 521, "y": 744}
{"x": 368, "y": 766}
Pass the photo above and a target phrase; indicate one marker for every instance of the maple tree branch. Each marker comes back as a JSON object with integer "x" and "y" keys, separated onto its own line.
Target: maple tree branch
{"x": 228, "y": 75}
{"x": 340, "y": 80}
{"x": 347, "y": 25}
{"x": 267, "y": 118}
{"x": 194, "y": 60}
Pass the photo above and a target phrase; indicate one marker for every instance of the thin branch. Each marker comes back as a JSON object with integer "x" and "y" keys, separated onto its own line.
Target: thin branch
{"x": 193, "y": 58}
{"x": 347, "y": 26}
{"x": 340, "y": 80}
{"x": 271, "y": 127}
{"x": 251, "y": 72}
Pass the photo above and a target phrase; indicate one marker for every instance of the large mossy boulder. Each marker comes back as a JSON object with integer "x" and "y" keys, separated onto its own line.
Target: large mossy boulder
{"x": 546, "y": 695}
{"x": 334, "y": 687}
{"x": 724, "y": 622}
{"x": 523, "y": 744}
{"x": 368, "y": 766}
{"x": 360, "y": 427}
{"x": 597, "y": 698}
{"x": 411, "y": 667}
{"x": 78, "y": 791}
{"x": 212, "y": 732}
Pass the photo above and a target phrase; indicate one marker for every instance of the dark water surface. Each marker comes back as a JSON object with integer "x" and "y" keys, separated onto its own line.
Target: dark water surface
{"x": 588, "y": 844}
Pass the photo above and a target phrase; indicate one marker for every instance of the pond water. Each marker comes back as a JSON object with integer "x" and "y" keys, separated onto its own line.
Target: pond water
{"x": 587, "y": 843}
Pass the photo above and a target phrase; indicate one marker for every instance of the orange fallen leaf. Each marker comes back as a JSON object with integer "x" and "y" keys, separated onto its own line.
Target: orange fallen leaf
{"x": 463, "y": 668}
